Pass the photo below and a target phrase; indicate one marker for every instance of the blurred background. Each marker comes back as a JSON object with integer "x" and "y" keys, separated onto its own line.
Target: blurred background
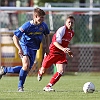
{"x": 85, "y": 44}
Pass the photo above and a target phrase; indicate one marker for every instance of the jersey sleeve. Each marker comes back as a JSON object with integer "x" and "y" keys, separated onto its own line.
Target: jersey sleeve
{"x": 46, "y": 29}
{"x": 19, "y": 32}
{"x": 59, "y": 34}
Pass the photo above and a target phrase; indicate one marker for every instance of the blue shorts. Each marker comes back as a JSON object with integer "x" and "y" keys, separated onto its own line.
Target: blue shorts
{"x": 30, "y": 53}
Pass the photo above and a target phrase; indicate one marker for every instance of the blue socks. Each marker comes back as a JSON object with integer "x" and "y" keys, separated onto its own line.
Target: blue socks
{"x": 15, "y": 69}
{"x": 20, "y": 71}
{"x": 22, "y": 77}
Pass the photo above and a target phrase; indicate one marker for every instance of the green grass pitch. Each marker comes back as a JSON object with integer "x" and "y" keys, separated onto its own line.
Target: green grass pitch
{"x": 68, "y": 88}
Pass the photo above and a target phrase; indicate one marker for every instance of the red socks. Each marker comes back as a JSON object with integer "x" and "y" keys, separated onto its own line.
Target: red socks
{"x": 54, "y": 79}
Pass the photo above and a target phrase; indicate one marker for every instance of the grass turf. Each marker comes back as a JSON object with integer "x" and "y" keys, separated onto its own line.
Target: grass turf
{"x": 68, "y": 88}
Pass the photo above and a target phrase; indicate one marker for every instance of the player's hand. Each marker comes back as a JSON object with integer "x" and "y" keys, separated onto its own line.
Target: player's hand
{"x": 67, "y": 50}
{"x": 70, "y": 54}
{"x": 20, "y": 52}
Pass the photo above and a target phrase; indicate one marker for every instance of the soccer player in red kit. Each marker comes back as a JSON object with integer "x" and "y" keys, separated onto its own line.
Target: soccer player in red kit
{"x": 57, "y": 55}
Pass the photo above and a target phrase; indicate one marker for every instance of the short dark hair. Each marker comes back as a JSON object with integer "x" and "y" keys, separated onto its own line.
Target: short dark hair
{"x": 39, "y": 12}
{"x": 71, "y": 17}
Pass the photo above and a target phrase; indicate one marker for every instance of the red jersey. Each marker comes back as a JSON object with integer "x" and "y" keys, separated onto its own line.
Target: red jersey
{"x": 63, "y": 36}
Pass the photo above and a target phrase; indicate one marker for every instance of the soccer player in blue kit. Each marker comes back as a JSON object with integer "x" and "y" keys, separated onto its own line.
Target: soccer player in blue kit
{"x": 27, "y": 39}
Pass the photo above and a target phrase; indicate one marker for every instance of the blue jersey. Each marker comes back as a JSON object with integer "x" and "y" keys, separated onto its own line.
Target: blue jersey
{"x": 31, "y": 35}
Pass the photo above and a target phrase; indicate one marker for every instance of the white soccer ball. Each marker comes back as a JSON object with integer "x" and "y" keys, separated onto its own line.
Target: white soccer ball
{"x": 88, "y": 87}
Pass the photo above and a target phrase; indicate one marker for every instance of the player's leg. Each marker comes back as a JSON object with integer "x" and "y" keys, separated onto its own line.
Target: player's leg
{"x": 40, "y": 73}
{"x": 23, "y": 72}
{"x": 4, "y": 70}
{"x": 55, "y": 77}
{"x": 27, "y": 62}
{"x": 61, "y": 62}
{"x": 47, "y": 62}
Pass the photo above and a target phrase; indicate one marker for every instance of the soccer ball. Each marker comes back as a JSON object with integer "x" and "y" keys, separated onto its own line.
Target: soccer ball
{"x": 88, "y": 87}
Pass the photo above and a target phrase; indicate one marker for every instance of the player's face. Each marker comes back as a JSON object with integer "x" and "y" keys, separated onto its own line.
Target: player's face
{"x": 69, "y": 23}
{"x": 39, "y": 19}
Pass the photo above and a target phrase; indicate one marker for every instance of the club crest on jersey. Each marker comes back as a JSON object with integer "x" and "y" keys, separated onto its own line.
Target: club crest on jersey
{"x": 40, "y": 28}
{"x": 70, "y": 34}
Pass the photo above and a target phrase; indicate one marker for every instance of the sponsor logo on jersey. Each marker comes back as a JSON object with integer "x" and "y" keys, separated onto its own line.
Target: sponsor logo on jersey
{"x": 34, "y": 33}
{"x": 37, "y": 33}
{"x": 40, "y": 31}
{"x": 66, "y": 40}
{"x": 30, "y": 33}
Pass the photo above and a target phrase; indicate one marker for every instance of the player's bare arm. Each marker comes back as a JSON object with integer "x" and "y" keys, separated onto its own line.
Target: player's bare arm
{"x": 61, "y": 47}
{"x": 65, "y": 50}
{"x": 47, "y": 42}
{"x": 16, "y": 42}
